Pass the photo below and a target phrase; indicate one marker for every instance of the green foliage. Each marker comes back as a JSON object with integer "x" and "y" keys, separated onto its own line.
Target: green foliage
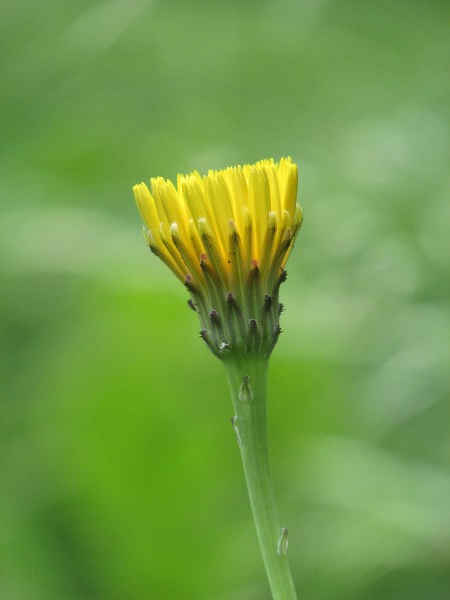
{"x": 121, "y": 477}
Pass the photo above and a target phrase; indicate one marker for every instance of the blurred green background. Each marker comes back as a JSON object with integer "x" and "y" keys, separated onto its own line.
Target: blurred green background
{"x": 120, "y": 474}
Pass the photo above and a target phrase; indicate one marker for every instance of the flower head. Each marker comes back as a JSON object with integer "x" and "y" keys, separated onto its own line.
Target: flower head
{"x": 227, "y": 237}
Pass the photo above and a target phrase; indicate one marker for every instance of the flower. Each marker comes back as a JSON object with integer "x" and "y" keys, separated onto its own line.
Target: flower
{"x": 227, "y": 237}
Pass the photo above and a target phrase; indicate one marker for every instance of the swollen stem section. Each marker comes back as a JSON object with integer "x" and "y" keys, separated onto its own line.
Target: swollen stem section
{"x": 247, "y": 377}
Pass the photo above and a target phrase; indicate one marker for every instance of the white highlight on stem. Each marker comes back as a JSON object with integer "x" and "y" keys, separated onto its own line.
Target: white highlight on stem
{"x": 283, "y": 542}
{"x": 236, "y": 430}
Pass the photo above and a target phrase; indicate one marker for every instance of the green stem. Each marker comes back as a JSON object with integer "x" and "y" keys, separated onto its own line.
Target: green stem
{"x": 249, "y": 400}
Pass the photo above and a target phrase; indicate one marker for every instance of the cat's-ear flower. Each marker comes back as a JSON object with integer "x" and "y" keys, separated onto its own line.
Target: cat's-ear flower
{"x": 227, "y": 237}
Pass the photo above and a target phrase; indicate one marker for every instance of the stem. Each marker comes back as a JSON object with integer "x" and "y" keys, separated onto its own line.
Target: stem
{"x": 249, "y": 400}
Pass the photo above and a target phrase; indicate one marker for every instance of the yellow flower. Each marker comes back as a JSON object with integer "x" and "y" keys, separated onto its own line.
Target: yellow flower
{"x": 227, "y": 237}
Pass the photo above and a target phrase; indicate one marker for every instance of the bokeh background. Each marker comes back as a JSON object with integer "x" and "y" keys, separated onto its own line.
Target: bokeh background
{"x": 120, "y": 476}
